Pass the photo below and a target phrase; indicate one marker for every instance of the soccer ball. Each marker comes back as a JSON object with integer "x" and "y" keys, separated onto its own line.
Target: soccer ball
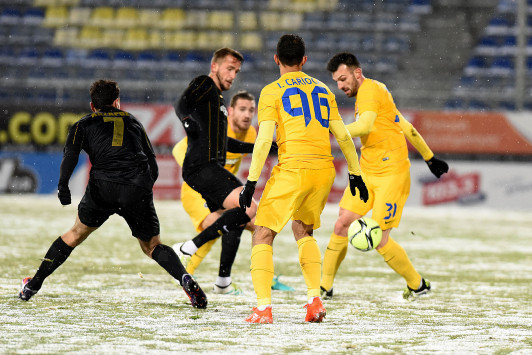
{"x": 364, "y": 234}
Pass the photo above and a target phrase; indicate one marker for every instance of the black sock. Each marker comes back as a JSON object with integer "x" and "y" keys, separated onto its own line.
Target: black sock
{"x": 168, "y": 259}
{"x": 230, "y": 243}
{"x": 57, "y": 254}
{"x": 231, "y": 219}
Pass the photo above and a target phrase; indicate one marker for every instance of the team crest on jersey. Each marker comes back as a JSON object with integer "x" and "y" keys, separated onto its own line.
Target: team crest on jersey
{"x": 224, "y": 110}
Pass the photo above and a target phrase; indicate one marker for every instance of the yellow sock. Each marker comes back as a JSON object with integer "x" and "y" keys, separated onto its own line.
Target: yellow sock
{"x": 199, "y": 255}
{"x": 262, "y": 273}
{"x": 395, "y": 256}
{"x": 333, "y": 257}
{"x": 310, "y": 262}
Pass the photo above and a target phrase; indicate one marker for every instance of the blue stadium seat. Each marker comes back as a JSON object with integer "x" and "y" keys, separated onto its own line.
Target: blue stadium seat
{"x": 420, "y": 7}
{"x": 148, "y": 60}
{"x": 529, "y": 64}
{"x": 502, "y": 66}
{"x": 476, "y": 105}
{"x": 499, "y": 25}
{"x": 172, "y": 61}
{"x": 487, "y": 45}
{"x": 10, "y": 16}
{"x": 395, "y": 44}
{"x": 455, "y": 104}
{"x": 97, "y": 58}
{"x": 476, "y": 65}
{"x": 509, "y": 45}
{"x": 33, "y": 16}
{"x": 123, "y": 59}
{"x": 53, "y": 57}
{"x": 7, "y": 55}
{"x": 507, "y": 106}
{"x": 28, "y": 56}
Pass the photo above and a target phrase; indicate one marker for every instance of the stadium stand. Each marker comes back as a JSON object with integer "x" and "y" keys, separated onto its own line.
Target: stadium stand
{"x": 398, "y": 42}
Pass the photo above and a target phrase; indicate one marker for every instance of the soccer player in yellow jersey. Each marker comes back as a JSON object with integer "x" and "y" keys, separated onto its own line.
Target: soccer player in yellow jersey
{"x": 302, "y": 110}
{"x": 240, "y": 116}
{"x": 386, "y": 171}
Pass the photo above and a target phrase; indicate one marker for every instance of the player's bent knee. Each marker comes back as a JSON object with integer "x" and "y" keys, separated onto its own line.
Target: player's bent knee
{"x": 341, "y": 226}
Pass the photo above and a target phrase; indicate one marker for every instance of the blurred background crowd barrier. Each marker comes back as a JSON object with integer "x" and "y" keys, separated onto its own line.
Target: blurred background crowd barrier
{"x": 461, "y": 71}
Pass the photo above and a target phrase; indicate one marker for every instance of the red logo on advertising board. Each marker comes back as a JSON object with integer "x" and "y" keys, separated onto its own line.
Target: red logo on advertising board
{"x": 451, "y": 187}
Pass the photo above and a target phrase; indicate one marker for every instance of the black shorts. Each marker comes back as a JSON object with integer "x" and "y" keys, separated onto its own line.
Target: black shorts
{"x": 214, "y": 183}
{"x": 134, "y": 203}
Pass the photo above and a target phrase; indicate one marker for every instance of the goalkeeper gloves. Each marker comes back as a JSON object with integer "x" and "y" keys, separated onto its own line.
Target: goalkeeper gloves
{"x": 191, "y": 127}
{"x": 246, "y": 195}
{"x": 437, "y": 167}
{"x": 356, "y": 182}
{"x": 63, "y": 193}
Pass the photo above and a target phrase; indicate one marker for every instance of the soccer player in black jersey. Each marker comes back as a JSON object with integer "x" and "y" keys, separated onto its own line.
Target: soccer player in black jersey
{"x": 121, "y": 179}
{"x": 202, "y": 110}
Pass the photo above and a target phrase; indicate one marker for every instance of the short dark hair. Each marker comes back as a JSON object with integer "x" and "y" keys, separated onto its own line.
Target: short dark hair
{"x": 346, "y": 58}
{"x": 104, "y": 93}
{"x": 290, "y": 49}
{"x": 241, "y": 94}
{"x": 224, "y": 52}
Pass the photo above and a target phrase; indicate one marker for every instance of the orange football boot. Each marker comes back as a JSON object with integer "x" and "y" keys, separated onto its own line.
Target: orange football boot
{"x": 263, "y": 317}
{"x": 315, "y": 311}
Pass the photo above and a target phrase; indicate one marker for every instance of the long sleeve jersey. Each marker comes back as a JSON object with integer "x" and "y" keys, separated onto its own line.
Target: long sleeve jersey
{"x": 118, "y": 147}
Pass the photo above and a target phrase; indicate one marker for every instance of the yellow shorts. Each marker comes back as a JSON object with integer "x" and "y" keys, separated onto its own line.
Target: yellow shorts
{"x": 387, "y": 198}
{"x": 194, "y": 205}
{"x": 298, "y": 194}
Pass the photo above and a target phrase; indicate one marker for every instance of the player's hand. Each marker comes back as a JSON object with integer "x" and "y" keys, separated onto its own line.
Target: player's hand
{"x": 246, "y": 195}
{"x": 274, "y": 148}
{"x": 437, "y": 167}
{"x": 356, "y": 182}
{"x": 191, "y": 127}
{"x": 63, "y": 192}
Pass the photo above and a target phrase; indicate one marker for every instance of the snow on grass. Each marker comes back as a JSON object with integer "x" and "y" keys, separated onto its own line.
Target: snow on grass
{"x": 109, "y": 298}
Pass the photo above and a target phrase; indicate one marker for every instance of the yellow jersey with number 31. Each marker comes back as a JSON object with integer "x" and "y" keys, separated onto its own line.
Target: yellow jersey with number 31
{"x": 384, "y": 150}
{"x": 301, "y": 107}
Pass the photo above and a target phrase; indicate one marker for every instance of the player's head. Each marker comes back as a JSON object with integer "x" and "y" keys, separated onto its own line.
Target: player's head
{"x": 346, "y": 71}
{"x": 290, "y": 51}
{"x": 104, "y": 93}
{"x": 241, "y": 111}
{"x": 225, "y": 65}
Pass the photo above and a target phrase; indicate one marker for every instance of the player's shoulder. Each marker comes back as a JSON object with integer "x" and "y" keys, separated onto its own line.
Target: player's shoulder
{"x": 373, "y": 84}
{"x": 201, "y": 80}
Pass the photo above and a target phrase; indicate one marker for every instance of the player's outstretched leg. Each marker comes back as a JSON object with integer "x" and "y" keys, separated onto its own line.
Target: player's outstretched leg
{"x": 395, "y": 256}
{"x": 168, "y": 259}
{"x": 194, "y": 292}
{"x": 25, "y": 292}
{"x": 411, "y": 294}
{"x": 333, "y": 257}
{"x": 55, "y": 256}
{"x": 229, "y": 220}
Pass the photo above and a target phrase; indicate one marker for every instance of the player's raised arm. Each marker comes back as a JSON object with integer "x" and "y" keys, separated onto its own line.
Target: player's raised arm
{"x": 262, "y": 147}
{"x": 437, "y": 167}
{"x": 363, "y": 125}
{"x": 347, "y": 146}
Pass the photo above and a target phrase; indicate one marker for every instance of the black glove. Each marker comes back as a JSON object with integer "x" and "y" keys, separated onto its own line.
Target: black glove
{"x": 274, "y": 148}
{"x": 356, "y": 182}
{"x": 246, "y": 195}
{"x": 191, "y": 127}
{"x": 63, "y": 192}
{"x": 437, "y": 167}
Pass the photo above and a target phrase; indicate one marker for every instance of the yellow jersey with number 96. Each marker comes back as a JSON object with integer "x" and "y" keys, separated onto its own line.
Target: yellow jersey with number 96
{"x": 301, "y": 107}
